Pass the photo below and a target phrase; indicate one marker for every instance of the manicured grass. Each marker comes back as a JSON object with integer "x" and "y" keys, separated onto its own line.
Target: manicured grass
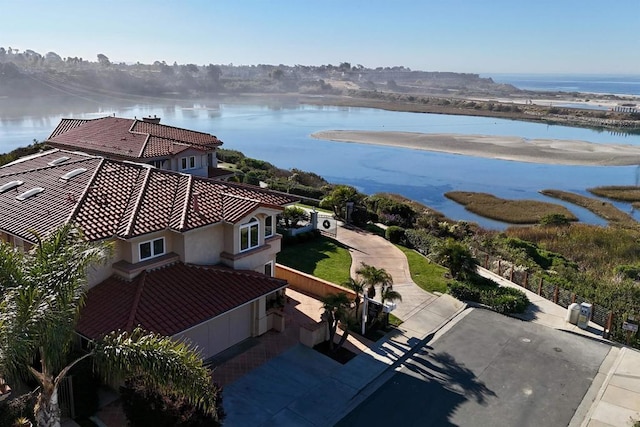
{"x": 603, "y": 209}
{"x": 393, "y": 320}
{"x": 427, "y": 275}
{"x": 322, "y": 257}
{"x": 509, "y": 211}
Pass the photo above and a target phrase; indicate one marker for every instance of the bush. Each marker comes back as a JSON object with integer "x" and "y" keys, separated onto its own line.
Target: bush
{"x": 145, "y": 407}
{"x": 18, "y": 407}
{"x": 394, "y": 234}
{"x": 464, "y": 292}
{"x": 506, "y": 300}
{"x": 229, "y": 156}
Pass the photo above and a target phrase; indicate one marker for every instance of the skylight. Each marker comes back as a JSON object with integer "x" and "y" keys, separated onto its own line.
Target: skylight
{"x": 67, "y": 176}
{"x": 29, "y": 193}
{"x": 9, "y": 185}
{"x": 58, "y": 161}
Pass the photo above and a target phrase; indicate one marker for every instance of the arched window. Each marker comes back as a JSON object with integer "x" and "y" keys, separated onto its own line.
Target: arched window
{"x": 249, "y": 235}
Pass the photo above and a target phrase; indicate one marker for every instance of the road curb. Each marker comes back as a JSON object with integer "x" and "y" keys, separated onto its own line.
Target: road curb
{"x": 375, "y": 383}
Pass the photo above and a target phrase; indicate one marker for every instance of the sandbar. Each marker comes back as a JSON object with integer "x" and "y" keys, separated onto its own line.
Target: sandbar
{"x": 546, "y": 151}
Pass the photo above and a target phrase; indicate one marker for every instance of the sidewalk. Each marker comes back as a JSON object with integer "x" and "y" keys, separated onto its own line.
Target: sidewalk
{"x": 614, "y": 397}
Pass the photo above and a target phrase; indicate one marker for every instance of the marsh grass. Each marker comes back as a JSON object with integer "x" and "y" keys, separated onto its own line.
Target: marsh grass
{"x": 509, "y": 211}
{"x": 603, "y": 209}
{"x": 622, "y": 193}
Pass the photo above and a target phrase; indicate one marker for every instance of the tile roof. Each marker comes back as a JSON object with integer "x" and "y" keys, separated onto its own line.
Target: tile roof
{"x": 128, "y": 138}
{"x": 171, "y": 299}
{"x": 121, "y": 199}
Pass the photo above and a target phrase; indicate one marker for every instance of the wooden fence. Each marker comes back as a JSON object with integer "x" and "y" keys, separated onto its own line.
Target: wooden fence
{"x": 309, "y": 284}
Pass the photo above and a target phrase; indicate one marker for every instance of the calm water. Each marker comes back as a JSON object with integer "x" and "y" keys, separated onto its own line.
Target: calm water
{"x": 608, "y": 84}
{"x": 280, "y": 134}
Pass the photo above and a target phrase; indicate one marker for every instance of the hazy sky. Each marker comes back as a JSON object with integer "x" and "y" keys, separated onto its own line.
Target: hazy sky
{"x": 481, "y": 36}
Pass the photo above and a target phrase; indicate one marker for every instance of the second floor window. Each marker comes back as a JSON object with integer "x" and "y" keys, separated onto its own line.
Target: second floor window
{"x": 188, "y": 162}
{"x": 268, "y": 226}
{"x": 151, "y": 249}
{"x": 249, "y": 237}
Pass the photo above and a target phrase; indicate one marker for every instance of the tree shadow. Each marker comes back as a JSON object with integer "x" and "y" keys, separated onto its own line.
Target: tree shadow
{"x": 427, "y": 391}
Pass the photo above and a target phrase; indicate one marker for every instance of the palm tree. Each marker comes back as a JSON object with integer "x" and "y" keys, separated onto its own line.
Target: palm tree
{"x": 456, "y": 257}
{"x": 41, "y": 293}
{"x": 336, "y": 310}
{"x": 373, "y": 277}
{"x": 356, "y": 286}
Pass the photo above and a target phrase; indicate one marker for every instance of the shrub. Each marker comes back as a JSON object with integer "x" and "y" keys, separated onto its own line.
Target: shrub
{"x": 11, "y": 410}
{"x": 506, "y": 300}
{"x": 554, "y": 219}
{"x": 146, "y": 407}
{"x": 464, "y": 292}
{"x": 229, "y": 156}
{"x": 394, "y": 234}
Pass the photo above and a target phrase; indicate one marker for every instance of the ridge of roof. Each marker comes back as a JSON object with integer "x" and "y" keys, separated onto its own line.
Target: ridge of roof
{"x": 136, "y": 301}
{"x": 185, "y": 206}
{"x": 85, "y": 193}
{"x": 132, "y": 210}
{"x": 150, "y": 124}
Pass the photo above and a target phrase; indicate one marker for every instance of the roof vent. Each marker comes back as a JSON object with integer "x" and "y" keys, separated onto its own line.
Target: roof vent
{"x": 9, "y": 185}
{"x": 67, "y": 176}
{"x": 58, "y": 161}
{"x": 29, "y": 193}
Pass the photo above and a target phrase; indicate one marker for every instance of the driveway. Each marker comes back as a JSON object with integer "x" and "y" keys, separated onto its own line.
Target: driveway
{"x": 375, "y": 250}
{"x": 489, "y": 370}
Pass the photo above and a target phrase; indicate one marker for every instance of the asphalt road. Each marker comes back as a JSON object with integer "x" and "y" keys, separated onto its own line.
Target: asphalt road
{"x": 488, "y": 370}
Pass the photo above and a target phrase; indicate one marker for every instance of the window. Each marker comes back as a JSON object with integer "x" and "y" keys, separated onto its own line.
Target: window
{"x": 268, "y": 226}
{"x": 268, "y": 269}
{"x": 249, "y": 235}
{"x": 158, "y": 164}
{"x": 188, "y": 162}
{"x": 151, "y": 249}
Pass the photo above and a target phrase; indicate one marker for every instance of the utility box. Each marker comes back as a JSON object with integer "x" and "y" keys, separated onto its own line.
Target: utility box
{"x": 573, "y": 312}
{"x": 585, "y": 315}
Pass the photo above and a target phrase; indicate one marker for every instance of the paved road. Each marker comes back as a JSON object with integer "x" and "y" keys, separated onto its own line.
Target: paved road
{"x": 489, "y": 370}
{"x": 374, "y": 250}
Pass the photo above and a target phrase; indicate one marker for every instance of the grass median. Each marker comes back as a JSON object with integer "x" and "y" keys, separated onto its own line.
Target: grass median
{"x": 424, "y": 273}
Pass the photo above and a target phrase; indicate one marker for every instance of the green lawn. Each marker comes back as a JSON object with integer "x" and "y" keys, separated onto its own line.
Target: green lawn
{"x": 305, "y": 206}
{"x": 322, "y": 257}
{"x": 427, "y": 275}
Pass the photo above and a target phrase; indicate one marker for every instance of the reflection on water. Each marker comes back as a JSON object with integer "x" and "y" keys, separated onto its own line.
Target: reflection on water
{"x": 279, "y": 133}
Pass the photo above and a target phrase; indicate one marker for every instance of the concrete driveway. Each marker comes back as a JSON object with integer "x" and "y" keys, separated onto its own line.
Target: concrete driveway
{"x": 374, "y": 250}
{"x": 489, "y": 370}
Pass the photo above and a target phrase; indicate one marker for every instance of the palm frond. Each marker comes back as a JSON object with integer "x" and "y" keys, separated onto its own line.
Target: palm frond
{"x": 166, "y": 364}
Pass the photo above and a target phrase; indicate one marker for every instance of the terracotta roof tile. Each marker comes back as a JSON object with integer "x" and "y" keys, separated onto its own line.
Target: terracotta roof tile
{"x": 127, "y": 138}
{"x": 170, "y": 300}
{"x": 123, "y": 199}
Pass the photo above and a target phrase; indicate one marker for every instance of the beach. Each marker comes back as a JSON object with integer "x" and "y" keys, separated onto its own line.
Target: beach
{"x": 546, "y": 151}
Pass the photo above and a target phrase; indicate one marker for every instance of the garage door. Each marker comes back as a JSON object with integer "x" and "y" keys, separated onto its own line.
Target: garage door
{"x": 220, "y": 333}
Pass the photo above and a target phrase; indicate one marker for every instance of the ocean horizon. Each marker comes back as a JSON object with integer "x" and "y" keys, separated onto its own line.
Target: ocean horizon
{"x": 616, "y": 84}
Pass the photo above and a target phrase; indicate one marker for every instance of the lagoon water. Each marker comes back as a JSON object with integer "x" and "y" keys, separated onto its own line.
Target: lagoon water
{"x": 279, "y": 133}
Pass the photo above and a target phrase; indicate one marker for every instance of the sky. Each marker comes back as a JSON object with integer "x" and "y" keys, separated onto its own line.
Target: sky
{"x": 476, "y": 36}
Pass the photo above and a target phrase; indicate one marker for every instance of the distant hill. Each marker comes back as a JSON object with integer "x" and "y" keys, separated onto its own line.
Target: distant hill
{"x": 27, "y": 74}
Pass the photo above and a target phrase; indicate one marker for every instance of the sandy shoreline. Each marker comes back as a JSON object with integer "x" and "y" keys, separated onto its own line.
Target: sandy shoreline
{"x": 548, "y": 151}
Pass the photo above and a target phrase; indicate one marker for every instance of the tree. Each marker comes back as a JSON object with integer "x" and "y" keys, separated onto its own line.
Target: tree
{"x": 103, "y": 60}
{"x": 338, "y": 198}
{"x": 357, "y": 286}
{"x": 373, "y": 277}
{"x": 41, "y": 293}
{"x": 456, "y": 257}
{"x": 336, "y": 310}
{"x": 292, "y": 215}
